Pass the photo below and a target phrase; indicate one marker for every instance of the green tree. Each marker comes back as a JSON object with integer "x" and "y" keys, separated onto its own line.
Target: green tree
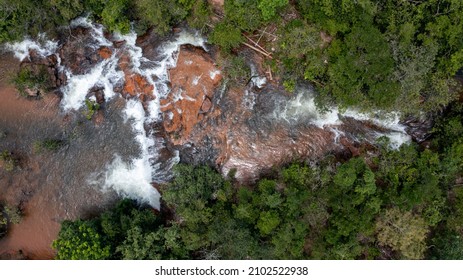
{"x": 269, "y": 8}
{"x": 226, "y": 36}
{"x": 69, "y": 9}
{"x": 163, "y": 14}
{"x": 404, "y": 232}
{"x": 139, "y": 245}
{"x": 114, "y": 15}
{"x": 81, "y": 240}
{"x": 268, "y": 221}
{"x": 447, "y": 246}
{"x": 354, "y": 203}
{"x": 361, "y": 72}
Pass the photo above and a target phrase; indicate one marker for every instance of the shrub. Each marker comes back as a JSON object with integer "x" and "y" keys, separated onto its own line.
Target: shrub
{"x": 269, "y": 7}
{"x": 47, "y": 144}
{"x": 92, "y": 107}
{"x": 7, "y": 160}
{"x": 36, "y": 80}
{"x": 226, "y": 36}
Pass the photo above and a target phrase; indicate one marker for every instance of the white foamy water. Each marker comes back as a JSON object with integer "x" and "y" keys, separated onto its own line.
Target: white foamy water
{"x": 42, "y": 46}
{"x": 303, "y": 107}
{"x": 134, "y": 179}
{"x": 256, "y": 79}
{"x": 104, "y": 75}
{"x": 129, "y": 179}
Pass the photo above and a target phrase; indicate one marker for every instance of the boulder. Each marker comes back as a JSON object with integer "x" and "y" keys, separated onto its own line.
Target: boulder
{"x": 194, "y": 80}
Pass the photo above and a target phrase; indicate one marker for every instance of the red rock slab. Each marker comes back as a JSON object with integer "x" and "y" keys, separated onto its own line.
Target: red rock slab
{"x": 136, "y": 84}
{"x": 105, "y": 52}
{"x": 194, "y": 81}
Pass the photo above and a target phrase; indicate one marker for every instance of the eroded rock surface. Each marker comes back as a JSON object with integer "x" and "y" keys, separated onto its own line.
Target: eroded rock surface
{"x": 194, "y": 81}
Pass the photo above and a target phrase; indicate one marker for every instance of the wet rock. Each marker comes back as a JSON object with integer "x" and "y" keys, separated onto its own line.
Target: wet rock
{"x": 105, "y": 52}
{"x": 78, "y": 54}
{"x": 61, "y": 78}
{"x": 137, "y": 85}
{"x": 194, "y": 81}
{"x": 36, "y": 58}
{"x": 419, "y": 128}
{"x": 98, "y": 93}
{"x": 207, "y": 105}
{"x": 119, "y": 44}
{"x": 52, "y": 60}
{"x": 149, "y": 43}
{"x": 53, "y": 76}
{"x": 98, "y": 118}
{"x": 32, "y": 92}
{"x": 202, "y": 152}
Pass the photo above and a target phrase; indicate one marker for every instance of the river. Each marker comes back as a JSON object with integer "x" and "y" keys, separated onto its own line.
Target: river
{"x": 163, "y": 100}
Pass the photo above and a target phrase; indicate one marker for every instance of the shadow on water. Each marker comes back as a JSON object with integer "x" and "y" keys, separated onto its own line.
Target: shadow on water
{"x": 52, "y": 185}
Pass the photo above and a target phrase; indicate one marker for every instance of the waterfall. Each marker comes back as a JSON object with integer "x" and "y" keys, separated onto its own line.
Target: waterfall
{"x": 134, "y": 178}
{"x": 302, "y": 107}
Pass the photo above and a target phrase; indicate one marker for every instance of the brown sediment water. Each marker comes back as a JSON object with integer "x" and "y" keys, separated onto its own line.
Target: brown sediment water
{"x": 52, "y": 186}
{"x": 250, "y": 128}
{"x": 37, "y": 229}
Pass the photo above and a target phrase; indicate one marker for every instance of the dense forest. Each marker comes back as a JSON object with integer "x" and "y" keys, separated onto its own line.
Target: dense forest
{"x": 372, "y": 55}
{"x": 396, "y": 204}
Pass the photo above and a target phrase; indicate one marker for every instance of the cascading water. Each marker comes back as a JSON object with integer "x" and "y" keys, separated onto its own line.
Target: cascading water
{"x": 43, "y": 46}
{"x": 134, "y": 178}
{"x": 302, "y": 107}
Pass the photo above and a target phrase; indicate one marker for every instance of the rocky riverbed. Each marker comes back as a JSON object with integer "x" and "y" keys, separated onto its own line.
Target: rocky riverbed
{"x": 160, "y": 101}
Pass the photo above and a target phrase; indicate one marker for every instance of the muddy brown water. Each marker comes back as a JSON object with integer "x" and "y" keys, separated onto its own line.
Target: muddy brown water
{"x": 51, "y": 186}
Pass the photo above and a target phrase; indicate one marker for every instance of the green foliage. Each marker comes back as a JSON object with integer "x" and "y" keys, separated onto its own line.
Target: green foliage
{"x": 412, "y": 178}
{"x": 114, "y": 15}
{"x": 141, "y": 246}
{"x": 200, "y": 14}
{"x": 455, "y": 219}
{"x": 163, "y": 14}
{"x": 354, "y": 204}
{"x": 448, "y": 129}
{"x": 235, "y": 69}
{"x": 25, "y": 17}
{"x": 403, "y": 232}
{"x": 382, "y": 54}
{"x": 361, "y": 72}
{"x": 10, "y": 215}
{"x": 48, "y": 145}
{"x": 242, "y": 14}
{"x": 7, "y": 161}
{"x": 92, "y": 107}
{"x": 69, "y": 9}
{"x": 289, "y": 85}
{"x": 226, "y": 36}
{"x": 267, "y": 222}
{"x": 269, "y": 8}
{"x": 81, "y": 240}
{"x": 447, "y": 246}
{"x": 36, "y": 81}
{"x": 300, "y": 51}
{"x": 124, "y": 232}
{"x": 191, "y": 193}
